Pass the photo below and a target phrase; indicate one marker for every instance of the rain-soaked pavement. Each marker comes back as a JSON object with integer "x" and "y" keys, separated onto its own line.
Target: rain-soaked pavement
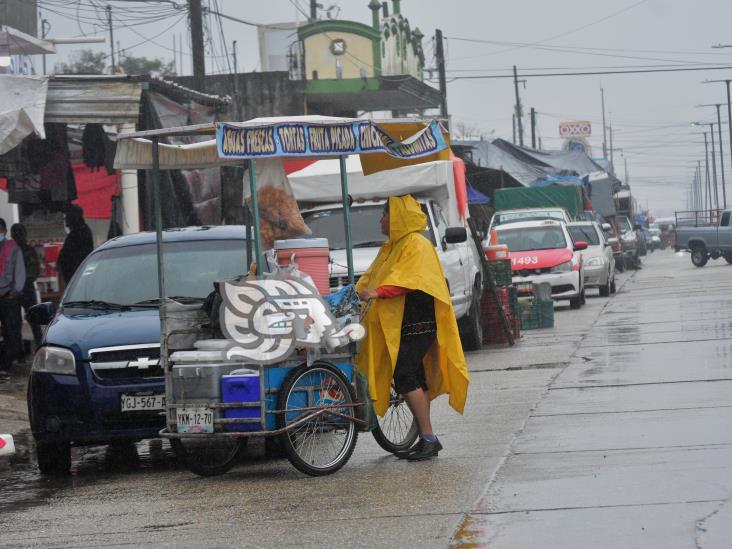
{"x": 610, "y": 430}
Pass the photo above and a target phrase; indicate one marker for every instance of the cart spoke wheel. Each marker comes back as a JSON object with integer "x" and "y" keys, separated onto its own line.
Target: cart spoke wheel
{"x": 208, "y": 456}
{"x": 397, "y": 430}
{"x": 319, "y": 442}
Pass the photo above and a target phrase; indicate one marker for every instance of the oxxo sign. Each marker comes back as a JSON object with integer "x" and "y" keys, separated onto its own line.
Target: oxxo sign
{"x": 575, "y": 128}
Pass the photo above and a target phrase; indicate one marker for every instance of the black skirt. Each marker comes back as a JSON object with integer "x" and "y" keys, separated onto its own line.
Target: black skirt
{"x": 418, "y": 333}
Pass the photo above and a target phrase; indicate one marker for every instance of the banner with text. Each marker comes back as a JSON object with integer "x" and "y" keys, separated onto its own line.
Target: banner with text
{"x": 309, "y": 139}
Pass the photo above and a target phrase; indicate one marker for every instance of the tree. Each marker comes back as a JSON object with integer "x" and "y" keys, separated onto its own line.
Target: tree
{"x": 83, "y": 62}
{"x": 143, "y": 65}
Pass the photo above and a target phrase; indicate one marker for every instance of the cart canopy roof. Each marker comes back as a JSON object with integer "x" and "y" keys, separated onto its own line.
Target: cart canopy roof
{"x": 392, "y": 143}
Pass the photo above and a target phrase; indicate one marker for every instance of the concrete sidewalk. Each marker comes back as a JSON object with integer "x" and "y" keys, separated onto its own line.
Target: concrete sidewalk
{"x": 631, "y": 445}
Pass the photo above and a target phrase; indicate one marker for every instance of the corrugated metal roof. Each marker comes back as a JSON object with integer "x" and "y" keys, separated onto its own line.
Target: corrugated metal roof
{"x": 79, "y": 100}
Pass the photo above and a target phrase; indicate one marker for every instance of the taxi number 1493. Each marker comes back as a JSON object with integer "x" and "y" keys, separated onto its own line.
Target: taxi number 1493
{"x": 525, "y": 260}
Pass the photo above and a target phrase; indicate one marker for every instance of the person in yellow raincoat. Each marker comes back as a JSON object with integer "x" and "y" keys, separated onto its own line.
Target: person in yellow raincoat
{"x": 411, "y": 331}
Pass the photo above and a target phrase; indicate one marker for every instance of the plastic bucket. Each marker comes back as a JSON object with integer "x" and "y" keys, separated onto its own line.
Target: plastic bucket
{"x": 311, "y": 255}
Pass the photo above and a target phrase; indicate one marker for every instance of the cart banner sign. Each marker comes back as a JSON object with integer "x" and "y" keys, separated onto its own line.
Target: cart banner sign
{"x": 267, "y": 318}
{"x": 575, "y": 128}
{"x": 312, "y": 139}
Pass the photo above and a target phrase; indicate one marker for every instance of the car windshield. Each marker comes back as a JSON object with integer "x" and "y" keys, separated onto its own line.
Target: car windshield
{"x": 532, "y": 238}
{"x": 624, "y": 224}
{"x": 511, "y": 217}
{"x": 365, "y": 226}
{"x": 128, "y": 275}
{"x": 584, "y": 232}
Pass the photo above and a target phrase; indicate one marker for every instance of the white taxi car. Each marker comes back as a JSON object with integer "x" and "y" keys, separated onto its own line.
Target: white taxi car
{"x": 543, "y": 251}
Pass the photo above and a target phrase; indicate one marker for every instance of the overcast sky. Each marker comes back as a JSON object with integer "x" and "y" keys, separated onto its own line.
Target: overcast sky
{"x": 650, "y": 113}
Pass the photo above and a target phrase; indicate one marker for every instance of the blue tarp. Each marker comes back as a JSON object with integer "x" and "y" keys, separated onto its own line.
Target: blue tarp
{"x": 477, "y": 197}
{"x": 556, "y": 180}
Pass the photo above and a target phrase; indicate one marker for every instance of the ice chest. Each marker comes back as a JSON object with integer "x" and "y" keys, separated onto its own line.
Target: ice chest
{"x": 200, "y": 382}
{"x": 242, "y": 386}
{"x": 311, "y": 255}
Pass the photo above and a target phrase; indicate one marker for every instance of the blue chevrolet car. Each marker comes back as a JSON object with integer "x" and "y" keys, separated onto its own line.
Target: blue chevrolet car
{"x": 97, "y": 379}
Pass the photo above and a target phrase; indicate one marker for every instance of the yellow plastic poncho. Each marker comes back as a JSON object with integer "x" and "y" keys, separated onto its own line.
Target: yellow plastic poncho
{"x": 409, "y": 260}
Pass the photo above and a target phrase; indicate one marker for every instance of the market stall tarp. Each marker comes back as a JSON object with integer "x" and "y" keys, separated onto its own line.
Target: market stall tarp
{"x": 22, "y": 109}
{"x": 95, "y": 189}
{"x": 562, "y": 196}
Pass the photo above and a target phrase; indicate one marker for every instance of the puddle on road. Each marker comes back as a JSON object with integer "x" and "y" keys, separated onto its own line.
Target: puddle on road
{"x": 23, "y": 486}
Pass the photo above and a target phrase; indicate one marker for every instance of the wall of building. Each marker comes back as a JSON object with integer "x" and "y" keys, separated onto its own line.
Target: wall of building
{"x": 20, "y": 14}
{"x": 255, "y": 94}
{"x": 356, "y": 62}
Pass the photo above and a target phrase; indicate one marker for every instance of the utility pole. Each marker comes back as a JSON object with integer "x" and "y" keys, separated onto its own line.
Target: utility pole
{"x": 175, "y": 56}
{"x": 45, "y": 27}
{"x": 604, "y": 128}
{"x": 612, "y": 158}
{"x": 714, "y": 164}
{"x": 111, "y": 38}
{"x": 513, "y": 122}
{"x": 708, "y": 201}
{"x": 314, "y": 10}
{"x": 627, "y": 175}
{"x": 533, "y": 128}
{"x": 195, "y": 15}
{"x": 236, "y": 80}
{"x": 519, "y": 114}
{"x": 440, "y": 55}
{"x": 721, "y": 157}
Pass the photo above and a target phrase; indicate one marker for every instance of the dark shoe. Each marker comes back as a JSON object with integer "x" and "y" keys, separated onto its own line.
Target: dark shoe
{"x": 424, "y": 450}
{"x": 402, "y": 454}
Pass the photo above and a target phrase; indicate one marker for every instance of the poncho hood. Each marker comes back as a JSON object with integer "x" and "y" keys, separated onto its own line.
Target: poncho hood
{"x": 405, "y": 216}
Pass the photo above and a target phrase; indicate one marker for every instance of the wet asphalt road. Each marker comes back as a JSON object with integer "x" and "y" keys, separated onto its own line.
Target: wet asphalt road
{"x": 525, "y": 447}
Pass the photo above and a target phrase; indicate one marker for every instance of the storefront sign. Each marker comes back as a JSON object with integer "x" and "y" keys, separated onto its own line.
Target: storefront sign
{"x": 310, "y": 139}
{"x": 575, "y": 128}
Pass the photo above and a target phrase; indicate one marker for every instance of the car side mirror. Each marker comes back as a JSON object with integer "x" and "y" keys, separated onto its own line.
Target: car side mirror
{"x": 607, "y": 227}
{"x": 580, "y": 245}
{"x": 455, "y": 235}
{"x": 41, "y": 314}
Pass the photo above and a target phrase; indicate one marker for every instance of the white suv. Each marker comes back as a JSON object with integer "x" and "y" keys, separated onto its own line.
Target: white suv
{"x": 459, "y": 257}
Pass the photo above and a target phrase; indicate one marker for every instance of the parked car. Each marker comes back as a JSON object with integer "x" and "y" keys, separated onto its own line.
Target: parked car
{"x": 543, "y": 251}
{"x": 628, "y": 242}
{"x": 655, "y": 238}
{"x": 96, "y": 379}
{"x": 528, "y": 214}
{"x": 706, "y": 240}
{"x": 599, "y": 261}
{"x": 458, "y": 254}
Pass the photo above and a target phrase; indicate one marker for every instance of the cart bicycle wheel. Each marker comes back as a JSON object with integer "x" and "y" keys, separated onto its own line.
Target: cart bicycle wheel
{"x": 397, "y": 430}
{"x": 324, "y": 443}
{"x": 208, "y": 456}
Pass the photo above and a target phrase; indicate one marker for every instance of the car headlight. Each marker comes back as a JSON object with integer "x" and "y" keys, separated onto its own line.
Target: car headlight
{"x": 595, "y": 262}
{"x": 54, "y": 360}
{"x": 562, "y": 268}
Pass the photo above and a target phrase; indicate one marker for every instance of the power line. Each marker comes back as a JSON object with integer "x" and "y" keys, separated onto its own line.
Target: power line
{"x": 591, "y": 73}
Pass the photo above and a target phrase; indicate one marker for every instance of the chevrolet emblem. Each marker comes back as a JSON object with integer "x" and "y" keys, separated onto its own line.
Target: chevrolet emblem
{"x": 143, "y": 363}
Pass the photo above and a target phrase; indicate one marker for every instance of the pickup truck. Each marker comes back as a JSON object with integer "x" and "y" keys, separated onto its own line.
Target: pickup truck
{"x": 96, "y": 379}
{"x": 705, "y": 240}
{"x": 458, "y": 255}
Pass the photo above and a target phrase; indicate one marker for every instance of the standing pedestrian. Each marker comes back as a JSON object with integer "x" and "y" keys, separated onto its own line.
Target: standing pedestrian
{"x": 78, "y": 244}
{"x": 32, "y": 270}
{"x": 12, "y": 281}
{"x": 411, "y": 332}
